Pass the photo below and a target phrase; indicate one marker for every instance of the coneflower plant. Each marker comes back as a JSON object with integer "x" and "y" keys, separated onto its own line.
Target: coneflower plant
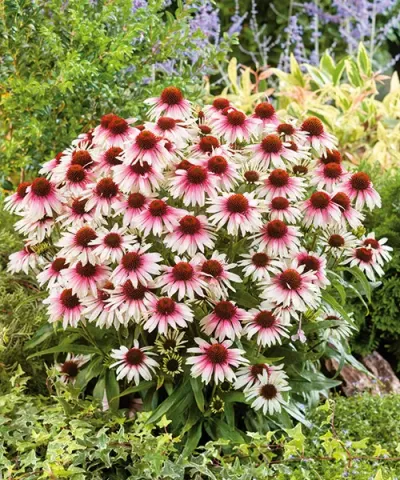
{"x": 200, "y": 260}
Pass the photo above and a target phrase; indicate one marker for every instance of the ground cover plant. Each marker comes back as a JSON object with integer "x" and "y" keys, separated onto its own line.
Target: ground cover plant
{"x": 196, "y": 263}
{"x": 62, "y": 437}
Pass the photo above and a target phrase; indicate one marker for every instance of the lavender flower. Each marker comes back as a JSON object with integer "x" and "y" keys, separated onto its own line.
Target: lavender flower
{"x": 136, "y": 4}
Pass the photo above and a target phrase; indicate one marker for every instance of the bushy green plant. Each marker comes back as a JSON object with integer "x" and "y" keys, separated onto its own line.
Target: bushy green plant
{"x": 124, "y": 321}
{"x": 66, "y": 63}
{"x": 380, "y": 329}
{"x": 61, "y": 438}
{"x": 21, "y": 313}
{"x": 348, "y": 96}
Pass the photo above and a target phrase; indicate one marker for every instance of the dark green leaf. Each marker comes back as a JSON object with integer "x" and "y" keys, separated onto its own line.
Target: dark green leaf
{"x": 192, "y": 439}
{"x": 176, "y": 396}
{"x": 197, "y": 387}
{"x": 144, "y": 385}
{"x": 70, "y": 348}
{"x": 112, "y": 389}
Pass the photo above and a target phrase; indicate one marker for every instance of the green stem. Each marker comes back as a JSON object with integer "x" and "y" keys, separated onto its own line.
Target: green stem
{"x": 373, "y": 27}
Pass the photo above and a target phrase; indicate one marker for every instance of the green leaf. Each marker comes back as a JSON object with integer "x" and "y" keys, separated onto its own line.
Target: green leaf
{"x": 99, "y": 389}
{"x": 228, "y": 432}
{"x": 296, "y": 413}
{"x": 296, "y": 71}
{"x": 43, "y": 333}
{"x": 312, "y": 381}
{"x": 246, "y": 300}
{"x": 231, "y": 397}
{"x": 340, "y": 289}
{"x": 360, "y": 276}
{"x": 337, "y": 75}
{"x": 327, "y": 64}
{"x": 70, "y": 348}
{"x": 363, "y": 60}
{"x": 197, "y": 388}
{"x": 94, "y": 369}
{"x": 229, "y": 411}
{"x": 353, "y": 73}
{"x": 314, "y": 326}
{"x": 335, "y": 305}
{"x": 6, "y": 184}
{"x": 176, "y": 396}
{"x": 137, "y": 388}
{"x": 192, "y": 439}
{"x": 112, "y": 389}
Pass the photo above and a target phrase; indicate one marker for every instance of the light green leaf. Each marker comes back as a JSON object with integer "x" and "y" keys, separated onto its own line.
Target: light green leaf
{"x": 327, "y": 64}
{"x": 296, "y": 71}
{"x": 363, "y": 60}
{"x": 353, "y": 73}
{"x": 337, "y": 75}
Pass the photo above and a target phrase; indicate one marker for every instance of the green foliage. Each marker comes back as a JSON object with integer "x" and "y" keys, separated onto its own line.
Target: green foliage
{"x": 267, "y": 34}
{"x": 21, "y": 312}
{"x": 64, "y": 64}
{"x": 344, "y": 95}
{"x": 64, "y": 438}
{"x": 381, "y": 328}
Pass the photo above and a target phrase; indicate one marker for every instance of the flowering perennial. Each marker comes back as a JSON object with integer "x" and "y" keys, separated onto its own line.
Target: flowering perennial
{"x": 201, "y": 240}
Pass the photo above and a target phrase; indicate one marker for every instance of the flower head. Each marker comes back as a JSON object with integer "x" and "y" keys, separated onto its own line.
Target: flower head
{"x": 266, "y": 395}
{"x": 215, "y": 360}
{"x": 134, "y": 363}
{"x": 170, "y": 103}
{"x": 360, "y": 188}
{"x": 165, "y": 313}
{"x": 240, "y": 211}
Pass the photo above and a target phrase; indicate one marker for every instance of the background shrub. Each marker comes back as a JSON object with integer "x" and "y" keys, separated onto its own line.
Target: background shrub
{"x": 270, "y": 31}
{"x": 21, "y": 314}
{"x": 64, "y": 64}
{"x": 380, "y": 328}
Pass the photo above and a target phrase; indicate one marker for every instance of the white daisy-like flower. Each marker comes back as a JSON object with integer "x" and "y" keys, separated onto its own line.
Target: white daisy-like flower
{"x": 134, "y": 363}
{"x": 267, "y": 394}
